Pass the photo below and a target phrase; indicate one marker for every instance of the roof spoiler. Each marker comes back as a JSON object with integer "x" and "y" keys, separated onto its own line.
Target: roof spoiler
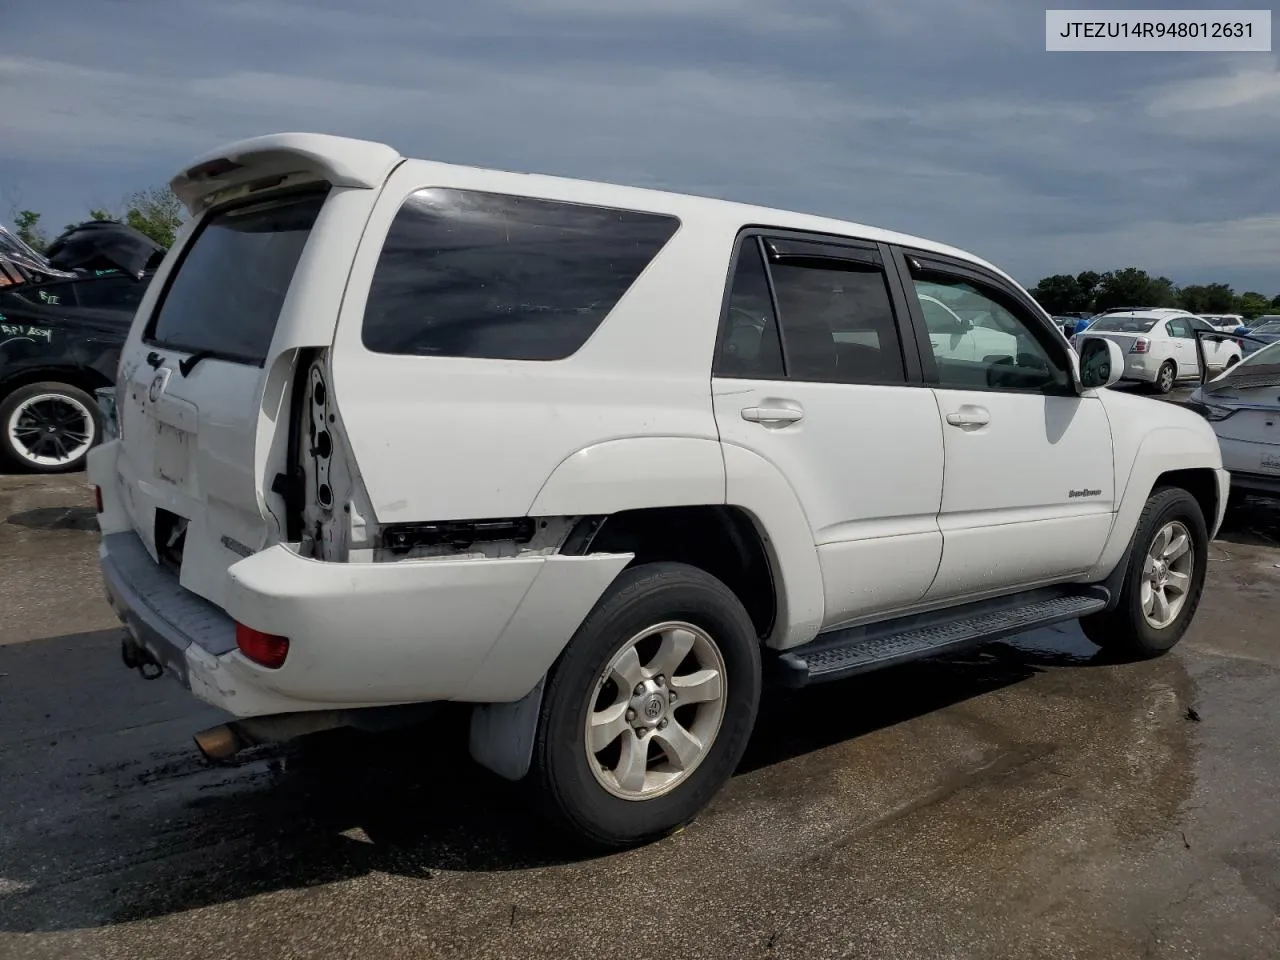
{"x": 263, "y": 162}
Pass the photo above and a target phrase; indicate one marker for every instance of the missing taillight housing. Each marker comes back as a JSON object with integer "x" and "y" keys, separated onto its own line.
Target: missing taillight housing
{"x": 265, "y": 649}
{"x": 1141, "y": 345}
{"x": 460, "y": 534}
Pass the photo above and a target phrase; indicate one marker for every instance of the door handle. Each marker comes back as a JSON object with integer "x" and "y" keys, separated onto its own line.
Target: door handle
{"x": 771, "y": 415}
{"x": 969, "y": 417}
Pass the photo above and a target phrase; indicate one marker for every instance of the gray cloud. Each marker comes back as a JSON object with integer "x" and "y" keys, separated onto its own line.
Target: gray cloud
{"x": 946, "y": 119}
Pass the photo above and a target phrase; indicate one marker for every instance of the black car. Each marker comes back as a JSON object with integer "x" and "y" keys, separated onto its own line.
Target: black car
{"x": 60, "y": 341}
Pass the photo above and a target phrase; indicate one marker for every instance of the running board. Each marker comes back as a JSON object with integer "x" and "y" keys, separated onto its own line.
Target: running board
{"x": 845, "y": 652}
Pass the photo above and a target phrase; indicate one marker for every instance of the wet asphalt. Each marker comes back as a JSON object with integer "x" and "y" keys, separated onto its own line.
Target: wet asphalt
{"x": 1031, "y": 800}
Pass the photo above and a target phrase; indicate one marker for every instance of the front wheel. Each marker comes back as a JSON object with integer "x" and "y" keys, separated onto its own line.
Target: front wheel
{"x": 1164, "y": 580}
{"x": 648, "y": 710}
{"x": 48, "y": 427}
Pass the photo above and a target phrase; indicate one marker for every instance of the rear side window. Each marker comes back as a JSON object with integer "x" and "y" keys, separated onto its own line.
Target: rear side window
{"x": 468, "y": 274}
{"x": 226, "y": 294}
{"x": 837, "y": 323}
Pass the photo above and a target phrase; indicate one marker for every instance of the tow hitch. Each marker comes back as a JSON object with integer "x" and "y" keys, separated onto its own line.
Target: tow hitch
{"x": 137, "y": 657}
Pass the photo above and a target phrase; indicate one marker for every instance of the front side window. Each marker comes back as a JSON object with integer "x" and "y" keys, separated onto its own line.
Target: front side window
{"x": 983, "y": 339}
{"x": 122, "y": 293}
{"x": 468, "y": 274}
{"x": 226, "y": 295}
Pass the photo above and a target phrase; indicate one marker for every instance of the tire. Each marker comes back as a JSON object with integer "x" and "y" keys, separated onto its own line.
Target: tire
{"x": 583, "y": 791}
{"x": 1165, "y": 377}
{"x": 71, "y": 413}
{"x": 1127, "y": 630}
{"x": 1231, "y": 362}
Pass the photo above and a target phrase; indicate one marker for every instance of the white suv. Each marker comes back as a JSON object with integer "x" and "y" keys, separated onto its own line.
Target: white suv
{"x": 596, "y": 461}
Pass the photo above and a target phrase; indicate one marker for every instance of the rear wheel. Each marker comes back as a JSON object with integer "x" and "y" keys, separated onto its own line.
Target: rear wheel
{"x": 1165, "y": 377}
{"x": 1164, "y": 580}
{"x": 48, "y": 427}
{"x": 648, "y": 711}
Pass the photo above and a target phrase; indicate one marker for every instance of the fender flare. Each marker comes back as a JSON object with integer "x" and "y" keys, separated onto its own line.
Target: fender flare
{"x": 1164, "y": 450}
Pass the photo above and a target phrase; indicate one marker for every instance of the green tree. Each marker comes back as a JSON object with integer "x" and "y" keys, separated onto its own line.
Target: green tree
{"x": 1087, "y": 281}
{"x": 1134, "y": 287}
{"x": 156, "y": 212}
{"x": 1060, "y": 294}
{"x": 1207, "y": 298}
{"x": 1276, "y": 301}
{"x": 1251, "y": 304}
{"x": 27, "y": 224}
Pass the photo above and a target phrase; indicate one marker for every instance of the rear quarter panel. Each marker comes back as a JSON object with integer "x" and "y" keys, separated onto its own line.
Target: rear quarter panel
{"x": 439, "y": 438}
{"x": 33, "y": 343}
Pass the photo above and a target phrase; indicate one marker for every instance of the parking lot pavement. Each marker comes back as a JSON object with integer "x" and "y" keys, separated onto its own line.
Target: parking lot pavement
{"x": 1028, "y": 801}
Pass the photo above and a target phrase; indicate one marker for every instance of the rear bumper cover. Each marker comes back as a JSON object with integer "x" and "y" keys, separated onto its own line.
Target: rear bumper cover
{"x": 361, "y": 634}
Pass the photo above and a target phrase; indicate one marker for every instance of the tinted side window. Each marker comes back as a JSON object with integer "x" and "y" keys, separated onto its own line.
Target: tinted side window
{"x": 983, "y": 339}
{"x": 465, "y": 274}
{"x": 837, "y": 323}
{"x": 749, "y": 347}
{"x": 111, "y": 293}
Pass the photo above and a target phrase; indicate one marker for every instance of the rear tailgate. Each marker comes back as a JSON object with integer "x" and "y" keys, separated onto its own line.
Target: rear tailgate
{"x": 206, "y": 375}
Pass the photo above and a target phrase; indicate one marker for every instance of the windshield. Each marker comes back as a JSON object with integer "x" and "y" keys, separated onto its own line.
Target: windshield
{"x": 1123, "y": 325}
{"x": 226, "y": 295}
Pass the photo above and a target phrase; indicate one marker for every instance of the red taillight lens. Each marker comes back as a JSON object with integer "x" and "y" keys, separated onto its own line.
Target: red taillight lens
{"x": 265, "y": 649}
{"x": 1141, "y": 345}
{"x": 97, "y": 498}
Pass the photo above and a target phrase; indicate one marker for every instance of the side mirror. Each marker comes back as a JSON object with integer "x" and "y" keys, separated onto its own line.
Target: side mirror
{"x": 1101, "y": 362}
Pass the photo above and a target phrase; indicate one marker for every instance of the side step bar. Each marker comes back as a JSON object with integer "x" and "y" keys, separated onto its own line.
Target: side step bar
{"x": 845, "y": 652}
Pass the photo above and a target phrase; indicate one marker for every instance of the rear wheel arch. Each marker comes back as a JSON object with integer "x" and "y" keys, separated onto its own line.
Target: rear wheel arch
{"x": 723, "y": 541}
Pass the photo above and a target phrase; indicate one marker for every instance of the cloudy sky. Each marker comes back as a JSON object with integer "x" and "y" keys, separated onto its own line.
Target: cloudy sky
{"x": 944, "y": 118}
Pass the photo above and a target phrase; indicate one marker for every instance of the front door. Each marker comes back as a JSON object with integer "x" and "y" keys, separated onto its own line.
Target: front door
{"x": 810, "y": 374}
{"x": 1184, "y": 346}
{"x": 1029, "y": 485}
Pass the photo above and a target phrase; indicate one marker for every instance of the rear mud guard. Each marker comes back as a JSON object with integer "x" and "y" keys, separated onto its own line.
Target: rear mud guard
{"x": 502, "y": 734}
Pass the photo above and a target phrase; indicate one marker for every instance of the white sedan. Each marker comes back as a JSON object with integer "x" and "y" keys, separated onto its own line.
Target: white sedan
{"x": 1160, "y": 348}
{"x": 1243, "y": 406}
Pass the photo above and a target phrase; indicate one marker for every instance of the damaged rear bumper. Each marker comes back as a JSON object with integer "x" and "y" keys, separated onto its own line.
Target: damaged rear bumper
{"x": 361, "y": 634}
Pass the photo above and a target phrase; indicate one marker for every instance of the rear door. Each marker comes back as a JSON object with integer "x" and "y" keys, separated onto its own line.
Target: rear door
{"x": 812, "y": 374}
{"x": 1029, "y": 484}
{"x": 206, "y": 376}
{"x": 193, "y": 386}
{"x": 1184, "y": 345}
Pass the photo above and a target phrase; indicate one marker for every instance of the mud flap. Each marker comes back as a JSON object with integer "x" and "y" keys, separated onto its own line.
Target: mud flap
{"x": 502, "y": 734}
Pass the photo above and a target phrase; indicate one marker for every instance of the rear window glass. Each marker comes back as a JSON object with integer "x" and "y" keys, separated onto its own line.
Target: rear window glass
{"x": 1123, "y": 325}
{"x": 467, "y": 274}
{"x": 228, "y": 290}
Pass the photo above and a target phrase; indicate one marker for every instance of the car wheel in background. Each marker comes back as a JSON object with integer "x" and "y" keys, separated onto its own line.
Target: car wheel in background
{"x": 48, "y": 427}
{"x": 1165, "y": 377}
